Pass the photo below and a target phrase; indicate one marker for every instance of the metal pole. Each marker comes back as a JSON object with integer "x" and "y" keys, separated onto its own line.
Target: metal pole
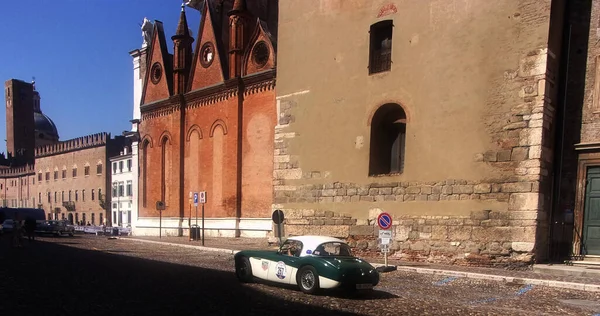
{"x": 385, "y": 254}
{"x": 202, "y": 224}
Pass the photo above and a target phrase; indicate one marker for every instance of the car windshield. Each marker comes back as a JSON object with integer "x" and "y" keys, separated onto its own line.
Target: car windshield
{"x": 291, "y": 248}
{"x": 333, "y": 249}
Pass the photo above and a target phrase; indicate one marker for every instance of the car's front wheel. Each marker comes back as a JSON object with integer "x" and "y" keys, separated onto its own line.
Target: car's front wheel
{"x": 308, "y": 280}
{"x": 243, "y": 269}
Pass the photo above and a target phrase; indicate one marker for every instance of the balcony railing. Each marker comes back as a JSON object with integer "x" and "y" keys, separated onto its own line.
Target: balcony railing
{"x": 69, "y": 205}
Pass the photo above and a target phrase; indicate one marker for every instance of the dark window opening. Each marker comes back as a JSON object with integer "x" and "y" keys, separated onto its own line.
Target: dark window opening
{"x": 74, "y": 172}
{"x": 86, "y": 170}
{"x": 55, "y": 174}
{"x": 380, "y": 48}
{"x": 99, "y": 168}
{"x": 388, "y": 139}
{"x": 64, "y": 174}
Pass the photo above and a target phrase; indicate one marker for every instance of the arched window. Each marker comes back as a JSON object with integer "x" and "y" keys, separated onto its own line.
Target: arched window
{"x": 380, "y": 48}
{"x": 388, "y": 138}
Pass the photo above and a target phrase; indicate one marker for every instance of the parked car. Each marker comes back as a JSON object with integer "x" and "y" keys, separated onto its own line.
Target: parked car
{"x": 7, "y": 225}
{"x": 54, "y": 227}
{"x": 310, "y": 262}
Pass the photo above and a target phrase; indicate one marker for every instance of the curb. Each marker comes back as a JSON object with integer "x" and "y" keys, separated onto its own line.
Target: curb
{"x": 481, "y": 276}
{"x": 506, "y": 279}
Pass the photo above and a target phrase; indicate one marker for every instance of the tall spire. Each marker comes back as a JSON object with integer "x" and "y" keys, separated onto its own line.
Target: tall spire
{"x": 182, "y": 27}
{"x": 182, "y": 55}
{"x": 238, "y": 5}
{"x": 238, "y": 35}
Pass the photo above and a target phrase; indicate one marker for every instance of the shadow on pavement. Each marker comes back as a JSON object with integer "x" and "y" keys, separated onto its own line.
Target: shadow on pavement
{"x": 51, "y": 279}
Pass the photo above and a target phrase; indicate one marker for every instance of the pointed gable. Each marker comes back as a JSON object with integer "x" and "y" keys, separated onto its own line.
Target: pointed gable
{"x": 158, "y": 81}
{"x": 260, "y": 54}
{"x": 209, "y": 58}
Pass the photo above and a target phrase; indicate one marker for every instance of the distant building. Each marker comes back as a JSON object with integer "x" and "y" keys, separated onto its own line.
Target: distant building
{"x": 68, "y": 179}
{"x": 122, "y": 196}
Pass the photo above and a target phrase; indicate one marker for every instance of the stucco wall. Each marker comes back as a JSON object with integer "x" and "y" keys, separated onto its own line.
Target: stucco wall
{"x": 472, "y": 78}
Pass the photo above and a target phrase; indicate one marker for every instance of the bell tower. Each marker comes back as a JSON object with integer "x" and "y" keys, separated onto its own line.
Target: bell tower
{"x": 20, "y": 126}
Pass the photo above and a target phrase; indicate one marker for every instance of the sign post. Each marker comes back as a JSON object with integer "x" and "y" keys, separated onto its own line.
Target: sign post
{"x": 201, "y": 200}
{"x": 278, "y": 218}
{"x": 160, "y": 206}
{"x": 384, "y": 221}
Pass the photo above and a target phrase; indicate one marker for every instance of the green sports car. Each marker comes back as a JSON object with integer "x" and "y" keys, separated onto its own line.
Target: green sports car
{"x": 311, "y": 262}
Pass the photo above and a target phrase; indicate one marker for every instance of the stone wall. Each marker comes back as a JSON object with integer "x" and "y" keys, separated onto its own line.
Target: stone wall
{"x": 522, "y": 158}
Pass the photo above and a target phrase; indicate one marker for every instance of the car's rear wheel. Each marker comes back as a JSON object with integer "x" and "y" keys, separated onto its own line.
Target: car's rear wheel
{"x": 308, "y": 280}
{"x": 243, "y": 269}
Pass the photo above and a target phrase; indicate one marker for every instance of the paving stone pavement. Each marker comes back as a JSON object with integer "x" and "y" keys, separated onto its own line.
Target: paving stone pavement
{"x": 521, "y": 276}
{"x": 98, "y": 275}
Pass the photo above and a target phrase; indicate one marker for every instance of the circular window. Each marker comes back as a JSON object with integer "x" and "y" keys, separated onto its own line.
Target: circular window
{"x": 207, "y": 54}
{"x": 156, "y": 73}
{"x": 260, "y": 53}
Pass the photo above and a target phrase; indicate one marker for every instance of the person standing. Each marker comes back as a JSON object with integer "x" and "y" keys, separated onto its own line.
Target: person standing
{"x": 30, "y": 228}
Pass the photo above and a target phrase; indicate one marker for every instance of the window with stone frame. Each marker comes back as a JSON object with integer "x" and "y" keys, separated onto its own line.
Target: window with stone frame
{"x": 93, "y": 194}
{"x": 128, "y": 164}
{"x": 70, "y": 196}
{"x": 76, "y": 195}
{"x": 99, "y": 168}
{"x": 380, "y": 46}
{"x": 62, "y": 195}
{"x": 83, "y": 195}
{"x": 75, "y": 172}
{"x": 49, "y": 199}
{"x": 40, "y": 176}
{"x": 388, "y": 140}
{"x": 55, "y": 175}
{"x": 47, "y": 175}
{"x": 86, "y": 170}
{"x": 64, "y": 173}
{"x": 40, "y": 197}
{"x": 55, "y": 196}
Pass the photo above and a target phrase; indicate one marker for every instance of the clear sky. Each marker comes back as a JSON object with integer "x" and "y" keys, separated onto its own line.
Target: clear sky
{"x": 78, "y": 52}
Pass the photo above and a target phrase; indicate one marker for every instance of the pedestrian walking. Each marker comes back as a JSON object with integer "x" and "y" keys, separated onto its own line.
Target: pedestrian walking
{"x": 30, "y": 228}
{"x": 17, "y": 231}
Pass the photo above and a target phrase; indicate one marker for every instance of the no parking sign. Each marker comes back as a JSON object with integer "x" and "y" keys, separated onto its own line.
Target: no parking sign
{"x": 384, "y": 220}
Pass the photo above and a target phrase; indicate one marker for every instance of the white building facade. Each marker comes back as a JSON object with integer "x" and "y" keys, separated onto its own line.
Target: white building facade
{"x": 139, "y": 67}
{"x": 123, "y": 195}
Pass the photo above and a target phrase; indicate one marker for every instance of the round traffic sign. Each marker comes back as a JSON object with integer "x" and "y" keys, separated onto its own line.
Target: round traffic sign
{"x": 277, "y": 217}
{"x": 384, "y": 220}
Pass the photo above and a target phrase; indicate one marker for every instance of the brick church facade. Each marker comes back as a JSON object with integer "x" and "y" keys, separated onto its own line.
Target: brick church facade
{"x": 207, "y": 122}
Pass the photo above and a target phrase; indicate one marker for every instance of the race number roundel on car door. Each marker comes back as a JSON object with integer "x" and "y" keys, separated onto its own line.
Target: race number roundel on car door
{"x": 280, "y": 268}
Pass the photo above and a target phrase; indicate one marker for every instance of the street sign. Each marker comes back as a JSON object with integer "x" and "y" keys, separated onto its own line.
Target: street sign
{"x": 385, "y": 241}
{"x": 384, "y": 220}
{"x": 277, "y": 217}
{"x": 385, "y": 234}
{"x": 195, "y": 198}
{"x": 202, "y": 197}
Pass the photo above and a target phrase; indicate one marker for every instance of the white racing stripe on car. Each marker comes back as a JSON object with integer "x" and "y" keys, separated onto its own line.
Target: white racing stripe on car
{"x": 257, "y": 269}
{"x": 327, "y": 283}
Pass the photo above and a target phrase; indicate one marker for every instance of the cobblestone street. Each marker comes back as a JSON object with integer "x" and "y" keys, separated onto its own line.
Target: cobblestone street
{"x": 93, "y": 275}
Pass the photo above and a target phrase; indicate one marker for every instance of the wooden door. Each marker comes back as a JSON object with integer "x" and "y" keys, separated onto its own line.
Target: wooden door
{"x": 591, "y": 215}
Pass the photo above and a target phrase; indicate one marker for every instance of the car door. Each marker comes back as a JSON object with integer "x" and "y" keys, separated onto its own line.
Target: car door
{"x": 283, "y": 266}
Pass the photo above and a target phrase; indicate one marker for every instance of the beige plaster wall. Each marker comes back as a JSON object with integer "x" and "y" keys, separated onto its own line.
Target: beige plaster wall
{"x": 450, "y": 62}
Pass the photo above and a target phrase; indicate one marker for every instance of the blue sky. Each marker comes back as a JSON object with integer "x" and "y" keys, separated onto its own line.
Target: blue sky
{"x": 78, "y": 52}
